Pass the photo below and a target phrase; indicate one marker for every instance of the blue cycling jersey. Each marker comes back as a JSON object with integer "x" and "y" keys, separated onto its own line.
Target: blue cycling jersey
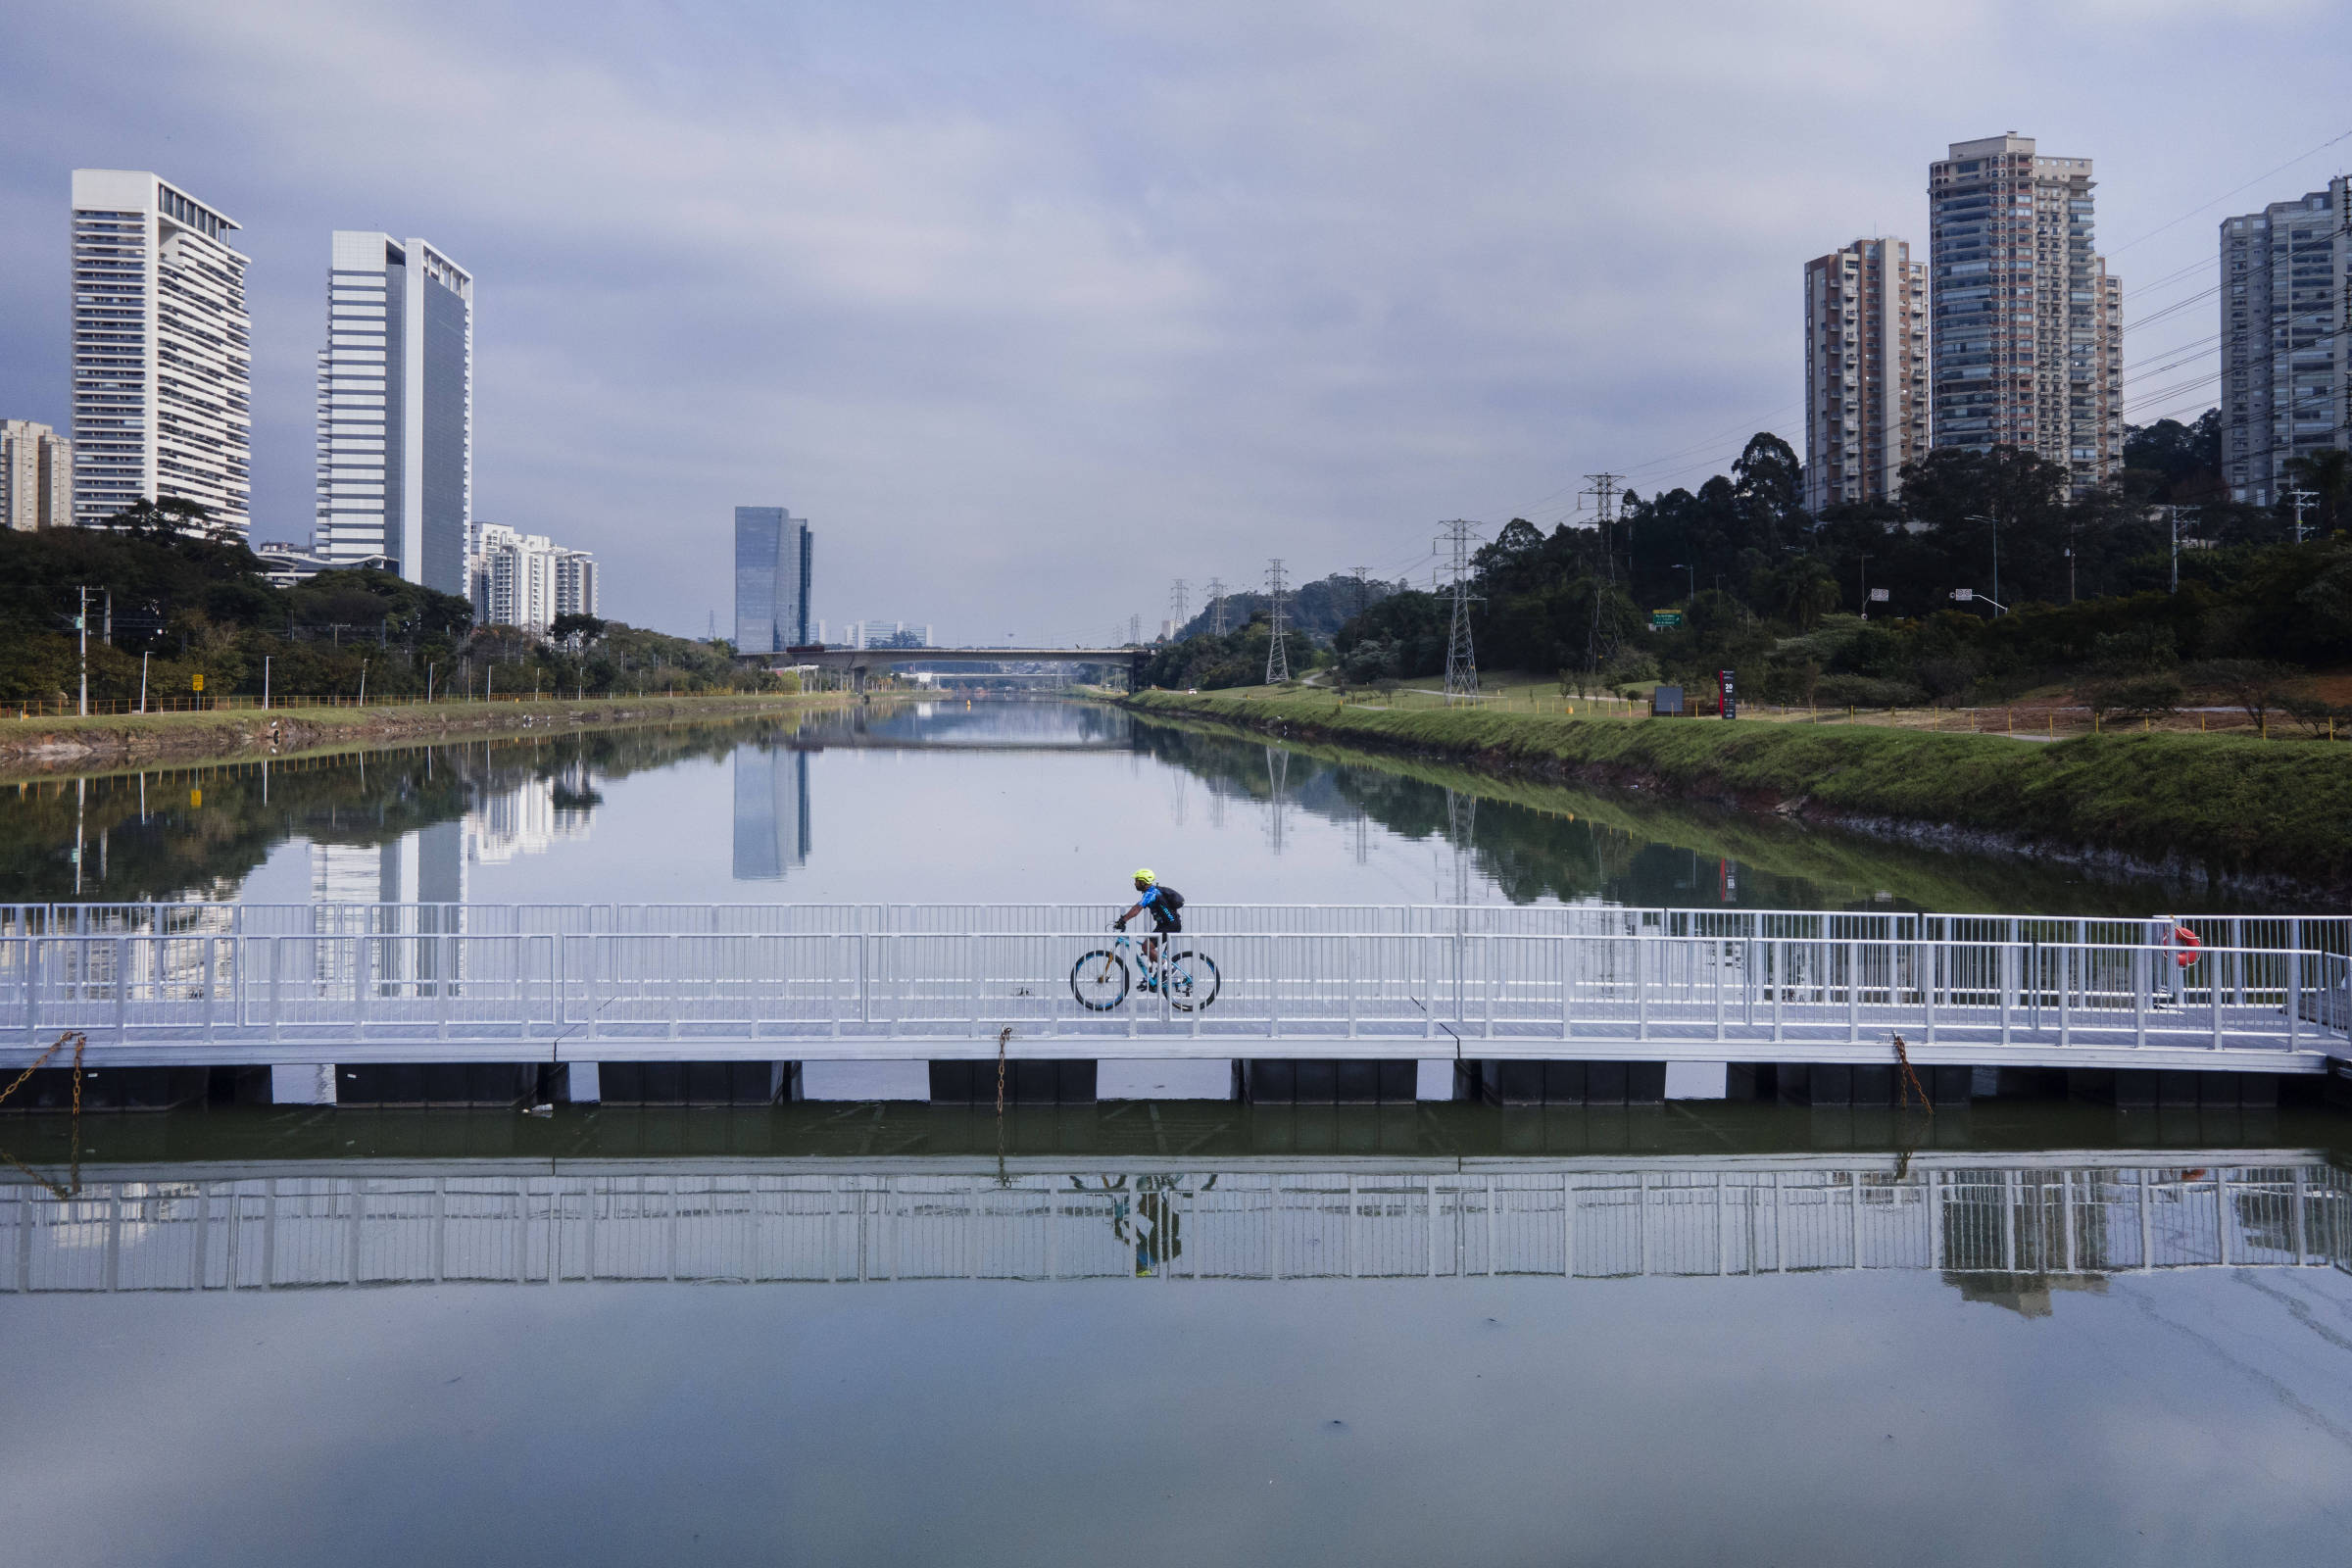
{"x": 1149, "y": 899}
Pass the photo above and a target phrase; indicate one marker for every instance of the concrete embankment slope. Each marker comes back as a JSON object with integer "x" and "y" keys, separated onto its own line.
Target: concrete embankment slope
{"x": 2257, "y": 815}
{"x": 31, "y": 748}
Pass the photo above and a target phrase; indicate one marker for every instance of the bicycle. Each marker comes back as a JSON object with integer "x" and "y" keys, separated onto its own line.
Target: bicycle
{"x": 1099, "y": 979}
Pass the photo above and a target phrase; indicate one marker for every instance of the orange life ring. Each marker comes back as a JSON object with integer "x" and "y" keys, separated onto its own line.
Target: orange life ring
{"x": 2185, "y": 945}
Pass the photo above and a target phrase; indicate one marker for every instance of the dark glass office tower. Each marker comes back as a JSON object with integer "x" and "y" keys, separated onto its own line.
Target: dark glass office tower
{"x": 772, "y": 558}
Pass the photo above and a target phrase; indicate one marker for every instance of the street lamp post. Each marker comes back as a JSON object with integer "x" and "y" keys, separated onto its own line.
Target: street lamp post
{"x": 1694, "y": 572}
{"x": 1865, "y": 568}
{"x": 1994, "y": 523}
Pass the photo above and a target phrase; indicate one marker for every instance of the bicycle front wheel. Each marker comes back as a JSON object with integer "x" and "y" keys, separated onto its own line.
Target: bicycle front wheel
{"x": 1099, "y": 980}
{"x": 1192, "y": 981}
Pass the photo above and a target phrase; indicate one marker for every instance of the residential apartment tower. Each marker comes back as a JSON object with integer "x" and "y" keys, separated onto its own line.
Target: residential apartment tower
{"x": 36, "y": 476}
{"x": 396, "y": 410}
{"x": 527, "y": 579}
{"x": 163, "y": 355}
{"x": 2026, "y": 327}
{"x": 1866, "y": 371}
{"x": 2286, "y": 351}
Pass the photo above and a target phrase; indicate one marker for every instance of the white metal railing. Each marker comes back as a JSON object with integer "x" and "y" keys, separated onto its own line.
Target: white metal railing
{"x": 2002, "y": 1228}
{"x": 1678, "y": 994}
{"x": 2327, "y": 933}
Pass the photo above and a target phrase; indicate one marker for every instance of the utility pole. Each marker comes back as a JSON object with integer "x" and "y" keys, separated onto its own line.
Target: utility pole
{"x": 81, "y": 625}
{"x": 1461, "y": 661}
{"x": 2171, "y": 523}
{"x": 1865, "y": 564}
{"x": 1179, "y": 607}
{"x": 1216, "y": 607}
{"x": 1278, "y": 654}
{"x": 2301, "y": 499}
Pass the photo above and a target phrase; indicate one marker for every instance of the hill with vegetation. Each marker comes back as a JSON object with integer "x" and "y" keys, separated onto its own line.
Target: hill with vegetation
{"x": 163, "y": 590}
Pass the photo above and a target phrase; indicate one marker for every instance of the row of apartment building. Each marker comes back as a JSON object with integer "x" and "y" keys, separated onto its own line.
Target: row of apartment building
{"x": 161, "y": 403}
{"x": 2011, "y": 332}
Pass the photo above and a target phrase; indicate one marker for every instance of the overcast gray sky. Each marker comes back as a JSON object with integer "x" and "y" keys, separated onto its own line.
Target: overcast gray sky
{"x": 1034, "y": 307}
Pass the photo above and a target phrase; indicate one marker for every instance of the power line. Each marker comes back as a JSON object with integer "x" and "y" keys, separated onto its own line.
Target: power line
{"x": 2225, "y": 195}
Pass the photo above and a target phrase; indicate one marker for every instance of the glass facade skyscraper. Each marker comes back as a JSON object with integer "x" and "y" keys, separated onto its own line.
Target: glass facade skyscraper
{"x": 396, "y": 410}
{"x": 773, "y": 569}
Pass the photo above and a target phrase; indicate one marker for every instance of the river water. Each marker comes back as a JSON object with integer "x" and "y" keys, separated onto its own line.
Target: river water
{"x": 1184, "y": 1331}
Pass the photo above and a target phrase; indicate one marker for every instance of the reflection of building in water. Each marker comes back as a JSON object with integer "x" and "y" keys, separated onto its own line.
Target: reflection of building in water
{"x": 528, "y": 819}
{"x": 771, "y": 812}
{"x": 425, "y": 868}
{"x": 189, "y": 1228}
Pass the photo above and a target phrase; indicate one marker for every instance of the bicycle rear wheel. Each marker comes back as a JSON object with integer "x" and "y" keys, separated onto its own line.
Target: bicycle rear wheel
{"x": 1192, "y": 981}
{"x": 1099, "y": 980}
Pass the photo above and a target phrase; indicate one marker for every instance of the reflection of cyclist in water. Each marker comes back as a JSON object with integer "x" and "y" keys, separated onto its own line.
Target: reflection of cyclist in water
{"x": 1166, "y": 906}
{"x": 1147, "y": 1216}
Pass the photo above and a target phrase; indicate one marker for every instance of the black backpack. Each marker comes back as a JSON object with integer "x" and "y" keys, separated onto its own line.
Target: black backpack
{"x": 1171, "y": 898}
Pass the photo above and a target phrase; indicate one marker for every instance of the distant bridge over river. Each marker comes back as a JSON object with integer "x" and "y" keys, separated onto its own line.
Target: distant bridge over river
{"x": 859, "y": 663}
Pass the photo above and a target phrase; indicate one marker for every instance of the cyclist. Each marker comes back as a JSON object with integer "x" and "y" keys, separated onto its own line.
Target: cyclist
{"x": 1166, "y": 906}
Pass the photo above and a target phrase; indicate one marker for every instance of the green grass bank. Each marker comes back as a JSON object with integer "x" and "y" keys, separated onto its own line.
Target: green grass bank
{"x": 35, "y": 748}
{"x": 2212, "y": 807}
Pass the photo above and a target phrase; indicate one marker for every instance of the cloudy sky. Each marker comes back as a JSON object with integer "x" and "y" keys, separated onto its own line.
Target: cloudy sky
{"x": 1033, "y": 308}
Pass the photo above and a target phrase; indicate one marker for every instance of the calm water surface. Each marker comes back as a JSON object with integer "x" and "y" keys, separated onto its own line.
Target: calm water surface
{"x": 945, "y": 802}
{"x": 1174, "y": 1332}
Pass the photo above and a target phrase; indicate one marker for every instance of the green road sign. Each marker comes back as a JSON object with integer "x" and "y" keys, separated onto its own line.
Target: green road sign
{"x": 1665, "y": 619}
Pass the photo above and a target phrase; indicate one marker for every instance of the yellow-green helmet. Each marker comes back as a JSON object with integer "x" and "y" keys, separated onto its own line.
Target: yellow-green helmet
{"x": 1145, "y": 877}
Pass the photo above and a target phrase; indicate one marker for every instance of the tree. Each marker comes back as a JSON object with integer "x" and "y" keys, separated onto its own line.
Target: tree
{"x": 2329, "y": 474}
{"x": 575, "y": 630}
{"x": 2178, "y": 462}
{"x": 166, "y": 519}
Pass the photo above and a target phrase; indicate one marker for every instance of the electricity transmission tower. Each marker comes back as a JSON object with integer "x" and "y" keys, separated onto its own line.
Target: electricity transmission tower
{"x": 1134, "y": 629}
{"x": 1600, "y": 635}
{"x": 1462, "y": 662}
{"x": 1363, "y": 589}
{"x": 2301, "y": 499}
{"x": 1278, "y": 656}
{"x": 1216, "y": 607}
{"x": 1179, "y": 606}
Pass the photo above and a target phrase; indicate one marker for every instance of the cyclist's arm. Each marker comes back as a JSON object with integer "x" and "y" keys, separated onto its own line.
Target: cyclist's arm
{"x": 1132, "y": 912}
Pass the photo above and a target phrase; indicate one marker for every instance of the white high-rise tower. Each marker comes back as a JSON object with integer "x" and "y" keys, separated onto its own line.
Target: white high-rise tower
{"x": 396, "y": 410}
{"x": 162, "y": 354}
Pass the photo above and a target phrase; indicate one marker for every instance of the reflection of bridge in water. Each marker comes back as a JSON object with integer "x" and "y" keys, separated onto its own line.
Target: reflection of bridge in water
{"x": 2007, "y": 1228}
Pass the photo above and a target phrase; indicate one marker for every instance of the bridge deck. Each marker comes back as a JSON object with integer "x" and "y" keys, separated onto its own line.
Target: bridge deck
{"x": 414, "y": 988}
